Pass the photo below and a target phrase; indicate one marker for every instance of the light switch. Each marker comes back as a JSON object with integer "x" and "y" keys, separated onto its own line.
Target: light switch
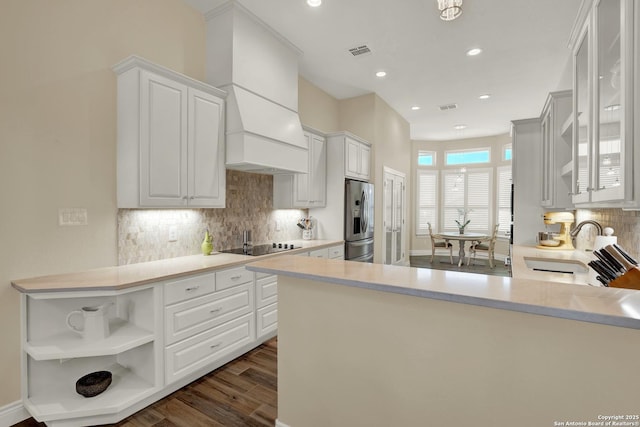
{"x": 72, "y": 216}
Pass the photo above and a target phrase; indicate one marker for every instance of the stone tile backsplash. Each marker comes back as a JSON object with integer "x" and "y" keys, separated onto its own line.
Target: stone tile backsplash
{"x": 143, "y": 234}
{"x": 626, "y": 225}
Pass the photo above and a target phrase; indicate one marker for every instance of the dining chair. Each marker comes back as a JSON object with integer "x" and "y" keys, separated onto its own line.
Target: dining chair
{"x": 484, "y": 245}
{"x": 439, "y": 244}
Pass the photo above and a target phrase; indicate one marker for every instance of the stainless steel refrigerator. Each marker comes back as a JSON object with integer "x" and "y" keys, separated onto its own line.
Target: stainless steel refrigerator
{"x": 358, "y": 221}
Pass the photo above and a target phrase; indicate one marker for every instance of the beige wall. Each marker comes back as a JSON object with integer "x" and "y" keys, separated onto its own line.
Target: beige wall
{"x": 58, "y": 132}
{"x": 356, "y": 357}
{"x": 420, "y": 244}
{"x": 317, "y": 108}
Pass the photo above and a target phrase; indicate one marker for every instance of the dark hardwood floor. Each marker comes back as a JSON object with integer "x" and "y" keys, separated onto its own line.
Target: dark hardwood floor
{"x": 242, "y": 393}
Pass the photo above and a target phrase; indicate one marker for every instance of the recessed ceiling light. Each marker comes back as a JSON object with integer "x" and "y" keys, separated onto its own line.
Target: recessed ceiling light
{"x": 473, "y": 52}
{"x": 415, "y": 107}
{"x": 314, "y": 3}
{"x": 485, "y": 96}
{"x": 381, "y": 73}
{"x": 460, "y": 127}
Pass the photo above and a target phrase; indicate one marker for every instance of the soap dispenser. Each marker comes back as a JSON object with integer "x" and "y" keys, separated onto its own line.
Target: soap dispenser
{"x": 207, "y": 244}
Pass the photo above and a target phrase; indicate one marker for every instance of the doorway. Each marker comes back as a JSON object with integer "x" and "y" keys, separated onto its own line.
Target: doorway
{"x": 394, "y": 217}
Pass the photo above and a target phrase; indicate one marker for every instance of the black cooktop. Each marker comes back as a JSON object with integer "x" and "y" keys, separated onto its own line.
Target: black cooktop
{"x": 258, "y": 250}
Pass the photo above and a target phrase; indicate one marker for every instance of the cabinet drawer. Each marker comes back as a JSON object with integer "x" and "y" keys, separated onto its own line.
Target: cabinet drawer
{"x": 266, "y": 290}
{"x": 232, "y": 277}
{"x": 199, "y": 314}
{"x": 336, "y": 252}
{"x": 194, "y": 353}
{"x": 267, "y": 319}
{"x": 319, "y": 253}
{"x": 190, "y": 287}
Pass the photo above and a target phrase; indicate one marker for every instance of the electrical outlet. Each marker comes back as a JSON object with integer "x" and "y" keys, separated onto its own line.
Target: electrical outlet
{"x": 277, "y": 225}
{"x": 72, "y": 216}
{"x": 173, "y": 233}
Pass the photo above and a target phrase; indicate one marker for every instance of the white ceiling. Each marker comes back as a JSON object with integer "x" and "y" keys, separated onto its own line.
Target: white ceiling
{"x": 525, "y": 55}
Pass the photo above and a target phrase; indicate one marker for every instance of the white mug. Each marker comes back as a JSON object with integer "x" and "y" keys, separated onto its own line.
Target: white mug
{"x": 96, "y": 323}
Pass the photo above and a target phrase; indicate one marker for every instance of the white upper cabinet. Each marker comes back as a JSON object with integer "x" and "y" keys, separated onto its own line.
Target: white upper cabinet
{"x": 603, "y": 154}
{"x": 556, "y": 150}
{"x": 357, "y": 159}
{"x": 170, "y": 139}
{"x": 304, "y": 190}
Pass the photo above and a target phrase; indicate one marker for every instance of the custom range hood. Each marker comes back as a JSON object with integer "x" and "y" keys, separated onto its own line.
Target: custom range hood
{"x": 259, "y": 70}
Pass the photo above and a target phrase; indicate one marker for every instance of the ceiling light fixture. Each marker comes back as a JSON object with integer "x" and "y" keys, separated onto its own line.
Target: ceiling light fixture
{"x": 415, "y": 107}
{"x": 314, "y": 3}
{"x": 473, "y": 52}
{"x": 449, "y": 9}
{"x": 485, "y": 96}
{"x": 381, "y": 73}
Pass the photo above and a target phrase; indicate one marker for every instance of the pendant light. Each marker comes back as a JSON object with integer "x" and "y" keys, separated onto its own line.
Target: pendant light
{"x": 449, "y": 9}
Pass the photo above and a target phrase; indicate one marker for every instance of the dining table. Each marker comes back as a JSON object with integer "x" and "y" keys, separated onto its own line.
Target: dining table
{"x": 462, "y": 239}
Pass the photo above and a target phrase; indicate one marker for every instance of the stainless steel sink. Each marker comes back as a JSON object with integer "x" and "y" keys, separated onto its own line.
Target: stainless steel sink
{"x": 569, "y": 266}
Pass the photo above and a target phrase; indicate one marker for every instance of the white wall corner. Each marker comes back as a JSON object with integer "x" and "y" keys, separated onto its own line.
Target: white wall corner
{"x": 13, "y": 413}
{"x": 280, "y": 423}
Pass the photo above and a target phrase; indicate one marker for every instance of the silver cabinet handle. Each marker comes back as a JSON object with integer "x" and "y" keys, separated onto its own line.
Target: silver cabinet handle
{"x": 215, "y": 345}
{"x": 192, "y": 288}
{"x": 236, "y": 277}
{"x": 215, "y": 310}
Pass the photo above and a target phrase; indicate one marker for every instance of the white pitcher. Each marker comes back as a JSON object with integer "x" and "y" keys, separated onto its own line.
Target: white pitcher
{"x": 96, "y": 322}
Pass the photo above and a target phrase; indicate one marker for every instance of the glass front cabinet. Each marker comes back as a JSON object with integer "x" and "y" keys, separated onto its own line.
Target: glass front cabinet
{"x": 603, "y": 57}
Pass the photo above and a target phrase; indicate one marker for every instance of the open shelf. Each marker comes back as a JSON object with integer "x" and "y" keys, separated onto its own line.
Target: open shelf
{"x": 62, "y": 402}
{"x": 124, "y": 336}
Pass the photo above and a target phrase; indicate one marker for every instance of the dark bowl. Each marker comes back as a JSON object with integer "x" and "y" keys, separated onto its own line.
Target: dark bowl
{"x": 94, "y": 383}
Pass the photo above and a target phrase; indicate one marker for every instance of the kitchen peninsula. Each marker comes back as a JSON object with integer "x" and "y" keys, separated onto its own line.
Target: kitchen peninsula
{"x": 377, "y": 345}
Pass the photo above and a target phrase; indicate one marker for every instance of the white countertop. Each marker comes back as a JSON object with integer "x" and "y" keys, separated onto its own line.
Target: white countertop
{"x": 609, "y": 306}
{"x": 126, "y": 276}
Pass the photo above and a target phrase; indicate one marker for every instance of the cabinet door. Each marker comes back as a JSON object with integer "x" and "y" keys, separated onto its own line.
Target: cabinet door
{"x": 608, "y": 139}
{"x": 365, "y": 161}
{"x": 581, "y": 122}
{"x": 352, "y": 160}
{"x": 206, "y": 150}
{"x": 301, "y": 181}
{"x": 163, "y": 141}
{"x": 318, "y": 171}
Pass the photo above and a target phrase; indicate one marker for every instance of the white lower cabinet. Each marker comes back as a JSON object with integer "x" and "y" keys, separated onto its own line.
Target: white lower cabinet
{"x": 200, "y": 314}
{"x": 55, "y": 356}
{"x": 200, "y": 350}
{"x": 267, "y": 320}
{"x": 266, "y": 304}
{"x": 336, "y": 252}
{"x": 202, "y": 329}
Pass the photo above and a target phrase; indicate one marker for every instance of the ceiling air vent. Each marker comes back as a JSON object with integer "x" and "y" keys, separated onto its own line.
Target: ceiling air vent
{"x": 448, "y": 107}
{"x": 359, "y": 50}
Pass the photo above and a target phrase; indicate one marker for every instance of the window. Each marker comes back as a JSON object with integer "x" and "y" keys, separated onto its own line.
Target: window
{"x": 507, "y": 152}
{"x": 464, "y": 157}
{"x": 470, "y": 192}
{"x": 427, "y": 203}
{"x": 426, "y": 158}
{"x": 504, "y": 199}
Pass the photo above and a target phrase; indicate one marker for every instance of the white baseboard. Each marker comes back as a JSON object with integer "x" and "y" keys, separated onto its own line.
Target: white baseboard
{"x": 12, "y": 414}
{"x": 280, "y": 423}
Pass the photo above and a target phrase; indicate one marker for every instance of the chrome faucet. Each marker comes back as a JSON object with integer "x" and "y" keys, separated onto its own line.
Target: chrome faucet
{"x": 573, "y": 233}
